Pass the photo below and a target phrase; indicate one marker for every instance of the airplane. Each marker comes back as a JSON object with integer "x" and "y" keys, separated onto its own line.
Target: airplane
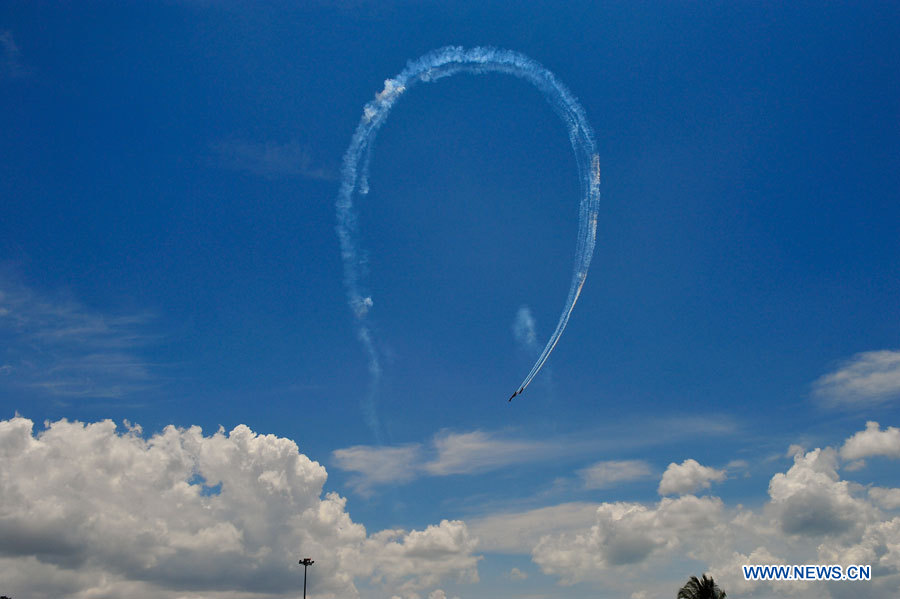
{"x": 516, "y": 393}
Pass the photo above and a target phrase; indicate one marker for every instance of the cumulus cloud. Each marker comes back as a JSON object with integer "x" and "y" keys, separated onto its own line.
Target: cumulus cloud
{"x": 810, "y": 516}
{"x": 872, "y": 442}
{"x": 725, "y": 572}
{"x": 419, "y": 559}
{"x": 889, "y": 499}
{"x": 688, "y": 477}
{"x": 516, "y": 574}
{"x": 271, "y": 160}
{"x": 866, "y": 379}
{"x": 91, "y": 511}
{"x": 65, "y": 349}
{"x": 877, "y": 546}
{"x": 626, "y": 534}
{"x": 810, "y": 499}
{"x": 794, "y": 449}
{"x": 609, "y": 473}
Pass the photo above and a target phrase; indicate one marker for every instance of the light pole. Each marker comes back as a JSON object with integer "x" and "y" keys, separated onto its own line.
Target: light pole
{"x": 306, "y": 563}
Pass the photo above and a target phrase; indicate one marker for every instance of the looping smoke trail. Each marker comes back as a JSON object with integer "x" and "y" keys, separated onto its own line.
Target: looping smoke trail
{"x": 355, "y": 174}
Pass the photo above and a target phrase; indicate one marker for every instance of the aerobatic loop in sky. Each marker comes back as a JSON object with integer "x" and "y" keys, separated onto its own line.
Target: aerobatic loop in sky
{"x": 354, "y": 176}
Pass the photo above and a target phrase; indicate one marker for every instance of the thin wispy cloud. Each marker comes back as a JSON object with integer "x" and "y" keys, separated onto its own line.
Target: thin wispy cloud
{"x": 517, "y": 532}
{"x": 476, "y": 452}
{"x": 447, "y": 454}
{"x": 378, "y": 465}
{"x": 65, "y": 349}
{"x": 613, "y": 472}
{"x": 479, "y": 451}
{"x": 866, "y": 379}
{"x": 11, "y": 64}
{"x": 269, "y": 159}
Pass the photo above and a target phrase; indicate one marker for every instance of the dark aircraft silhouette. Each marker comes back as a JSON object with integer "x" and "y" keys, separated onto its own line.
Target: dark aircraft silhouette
{"x": 516, "y": 393}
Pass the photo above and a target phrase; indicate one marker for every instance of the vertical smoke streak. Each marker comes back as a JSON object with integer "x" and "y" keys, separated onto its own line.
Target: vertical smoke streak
{"x": 524, "y": 330}
{"x": 354, "y": 178}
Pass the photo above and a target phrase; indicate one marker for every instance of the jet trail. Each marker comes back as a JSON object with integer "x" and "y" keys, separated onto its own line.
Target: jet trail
{"x": 354, "y": 177}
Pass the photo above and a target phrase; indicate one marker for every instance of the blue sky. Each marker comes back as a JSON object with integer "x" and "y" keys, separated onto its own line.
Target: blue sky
{"x": 168, "y": 256}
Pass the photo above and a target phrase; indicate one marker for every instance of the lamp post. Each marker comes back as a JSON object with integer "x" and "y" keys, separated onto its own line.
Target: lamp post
{"x": 306, "y": 563}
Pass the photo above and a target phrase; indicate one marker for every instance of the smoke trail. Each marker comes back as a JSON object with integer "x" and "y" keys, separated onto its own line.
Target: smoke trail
{"x": 354, "y": 178}
{"x": 525, "y": 329}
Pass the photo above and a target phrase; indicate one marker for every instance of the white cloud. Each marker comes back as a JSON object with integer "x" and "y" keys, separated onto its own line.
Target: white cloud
{"x": 89, "y": 511}
{"x": 478, "y": 451}
{"x": 854, "y": 466}
{"x": 688, "y": 477}
{"x": 889, "y": 499}
{"x": 812, "y": 516}
{"x": 872, "y": 442}
{"x": 474, "y": 452}
{"x": 422, "y": 558}
{"x": 877, "y": 546}
{"x": 517, "y": 532}
{"x": 516, "y": 574}
{"x": 378, "y": 465}
{"x": 449, "y": 454}
{"x": 810, "y": 499}
{"x": 794, "y": 449}
{"x": 728, "y": 575}
{"x": 269, "y": 159}
{"x": 866, "y": 379}
{"x": 609, "y": 473}
{"x": 627, "y": 534}
{"x": 68, "y": 350}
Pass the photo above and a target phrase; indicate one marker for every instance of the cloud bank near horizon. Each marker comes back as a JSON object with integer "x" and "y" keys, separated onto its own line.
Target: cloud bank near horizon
{"x": 810, "y": 515}
{"x": 90, "y": 510}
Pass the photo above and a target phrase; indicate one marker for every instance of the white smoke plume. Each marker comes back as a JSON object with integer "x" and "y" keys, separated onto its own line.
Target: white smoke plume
{"x": 354, "y": 178}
